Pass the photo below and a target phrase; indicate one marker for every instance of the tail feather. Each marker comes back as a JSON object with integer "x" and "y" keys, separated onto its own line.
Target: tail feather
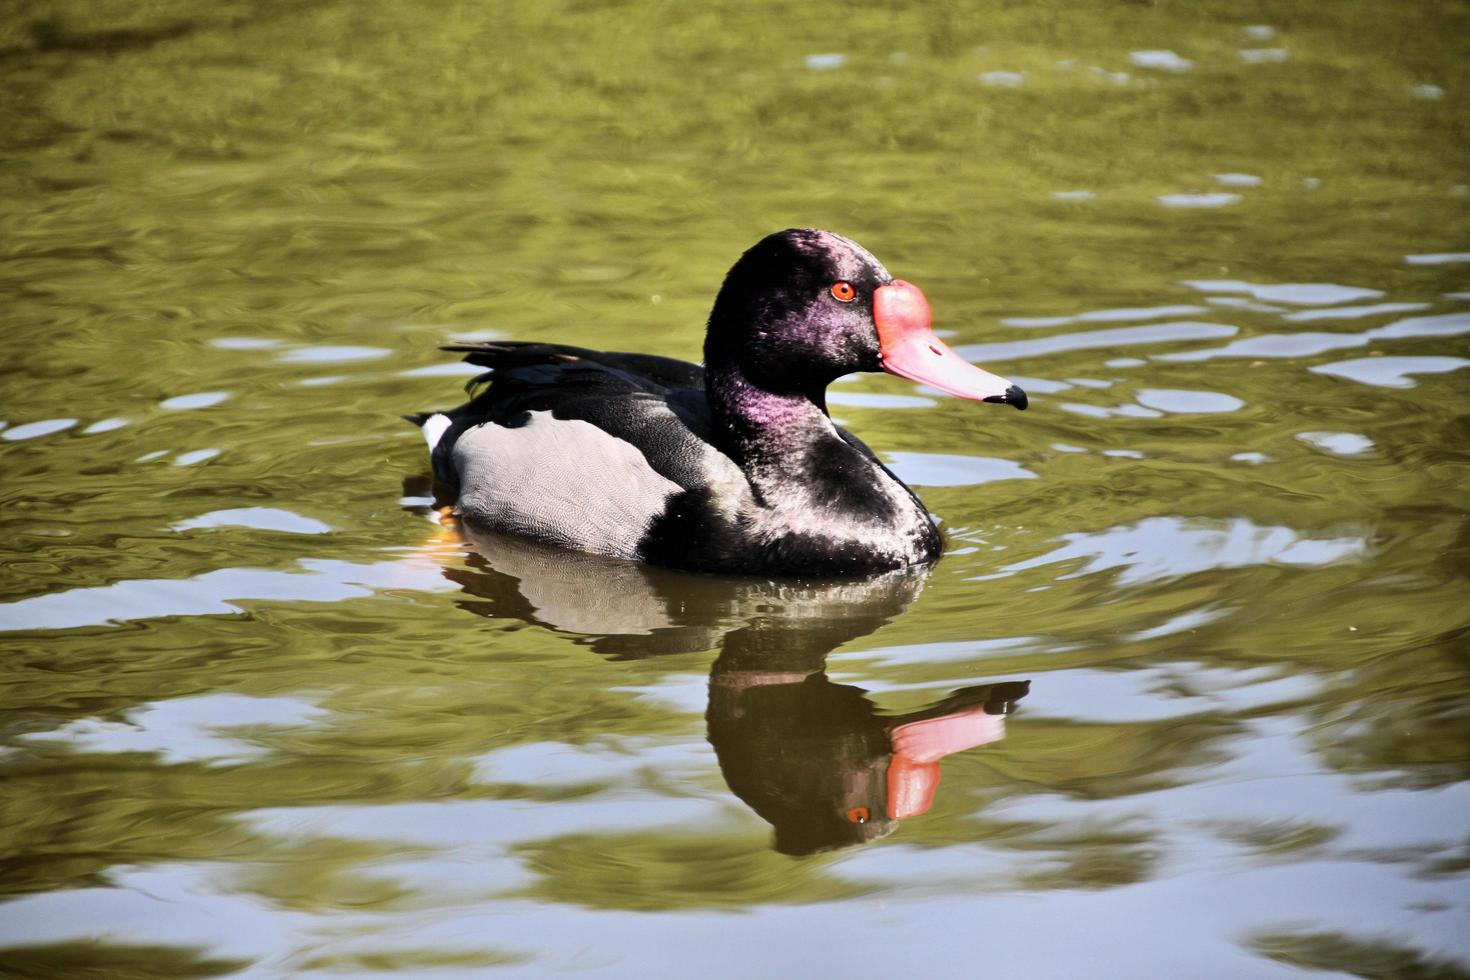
{"x": 432, "y": 424}
{"x": 506, "y": 354}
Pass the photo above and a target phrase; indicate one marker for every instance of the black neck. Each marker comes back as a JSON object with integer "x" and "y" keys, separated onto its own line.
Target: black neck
{"x": 761, "y": 427}
{"x": 801, "y": 469}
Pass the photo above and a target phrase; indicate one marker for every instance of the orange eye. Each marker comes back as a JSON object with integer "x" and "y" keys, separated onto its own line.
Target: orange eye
{"x": 858, "y": 814}
{"x": 843, "y": 291}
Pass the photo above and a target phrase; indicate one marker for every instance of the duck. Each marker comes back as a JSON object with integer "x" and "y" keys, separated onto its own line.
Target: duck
{"x": 731, "y": 467}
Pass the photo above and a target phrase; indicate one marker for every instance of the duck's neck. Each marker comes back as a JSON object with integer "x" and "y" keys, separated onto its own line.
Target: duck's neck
{"x": 822, "y": 503}
{"x": 768, "y": 433}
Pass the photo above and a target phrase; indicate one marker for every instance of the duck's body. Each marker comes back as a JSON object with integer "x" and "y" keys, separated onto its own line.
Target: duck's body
{"x": 732, "y": 467}
{"x": 620, "y": 455}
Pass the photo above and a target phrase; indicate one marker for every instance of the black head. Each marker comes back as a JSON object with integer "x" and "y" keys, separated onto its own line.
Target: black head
{"x": 804, "y": 307}
{"x": 796, "y": 312}
{"x": 810, "y": 757}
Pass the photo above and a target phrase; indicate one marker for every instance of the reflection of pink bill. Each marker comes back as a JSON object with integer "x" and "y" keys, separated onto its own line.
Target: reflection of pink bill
{"x": 913, "y": 772}
{"x": 934, "y": 738}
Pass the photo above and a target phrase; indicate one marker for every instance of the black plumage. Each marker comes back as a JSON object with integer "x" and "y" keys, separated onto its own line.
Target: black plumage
{"x": 729, "y": 467}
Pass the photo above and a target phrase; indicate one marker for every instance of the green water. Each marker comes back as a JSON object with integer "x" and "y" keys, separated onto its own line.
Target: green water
{"x": 262, "y": 716}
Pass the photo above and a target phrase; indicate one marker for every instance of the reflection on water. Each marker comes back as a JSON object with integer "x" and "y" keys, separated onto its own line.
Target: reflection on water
{"x": 186, "y": 729}
{"x": 1161, "y": 548}
{"x": 260, "y": 718}
{"x": 818, "y": 762}
{"x": 814, "y": 758}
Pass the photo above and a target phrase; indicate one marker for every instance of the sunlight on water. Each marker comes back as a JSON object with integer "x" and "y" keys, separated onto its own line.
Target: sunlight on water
{"x": 1185, "y": 697}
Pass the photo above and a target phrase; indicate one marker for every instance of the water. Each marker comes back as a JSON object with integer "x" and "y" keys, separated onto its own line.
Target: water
{"x": 1186, "y": 696}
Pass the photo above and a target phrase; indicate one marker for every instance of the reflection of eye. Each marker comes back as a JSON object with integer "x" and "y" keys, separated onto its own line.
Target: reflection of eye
{"x": 844, "y": 291}
{"x": 858, "y": 814}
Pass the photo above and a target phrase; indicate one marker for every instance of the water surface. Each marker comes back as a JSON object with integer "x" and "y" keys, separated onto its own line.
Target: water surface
{"x": 1185, "y": 697}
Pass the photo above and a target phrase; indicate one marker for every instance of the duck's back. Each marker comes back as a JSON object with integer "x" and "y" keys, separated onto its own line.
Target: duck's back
{"x": 587, "y": 450}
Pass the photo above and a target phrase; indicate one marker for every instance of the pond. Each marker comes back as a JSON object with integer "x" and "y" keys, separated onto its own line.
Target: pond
{"x": 1186, "y": 695}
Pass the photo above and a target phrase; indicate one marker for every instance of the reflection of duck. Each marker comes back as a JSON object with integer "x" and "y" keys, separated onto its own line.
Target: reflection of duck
{"x": 813, "y": 758}
{"x": 632, "y": 610}
{"x": 733, "y": 467}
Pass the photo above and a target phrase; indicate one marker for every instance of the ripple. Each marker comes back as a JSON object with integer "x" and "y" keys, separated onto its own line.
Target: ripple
{"x": 195, "y": 456}
{"x": 1273, "y": 345}
{"x": 1305, "y": 344}
{"x": 619, "y": 759}
{"x": 1218, "y": 199}
{"x": 1170, "y": 547}
{"x": 244, "y": 343}
{"x": 1039, "y": 386}
{"x": 1390, "y": 372}
{"x": 1337, "y": 443}
{"x": 259, "y": 518}
{"x": 454, "y": 369}
{"x": 1002, "y": 79}
{"x": 1294, "y": 293}
{"x": 1242, "y": 303}
{"x": 1073, "y": 195}
{"x": 157, "y": 906}
{"x": 458, "y": 336}
{"x": 1238, "y": 180}
{"x": 1110, "y": 412}
{"x": 105, "y": 425}
{"x": 1438, "y": 258}
{"x": 216, "y": 593}
{"x": 860, "y": 399}
{"x": 941, "y": 651}
{"x": 825, "y": 62}
{"x": 1445, "y": 325}
{"x": 1353, "y": 312}
{"x": 1170, "y": 691}
{"x": 1116, "y": 77}
{"x": 1263, "y": 56}
{"x": 186, "y": 729}
{"x": 331, "y": 354}
{"x": 1158, "y": 333}
{"x": 34, "y": 430}
{"x": 202, "y": 399}
{"x": 1124, "y": 314}
{"x": 597, "y": 273}
{"x": 478, "y": 823}
{"x": 1160, "y": 60}
{"x": 940, "y": 470}
{"x": 1180, "y": 401}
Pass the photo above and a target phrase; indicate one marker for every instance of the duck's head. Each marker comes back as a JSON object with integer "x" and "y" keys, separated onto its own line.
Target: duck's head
{"x": 803, "y": 307}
